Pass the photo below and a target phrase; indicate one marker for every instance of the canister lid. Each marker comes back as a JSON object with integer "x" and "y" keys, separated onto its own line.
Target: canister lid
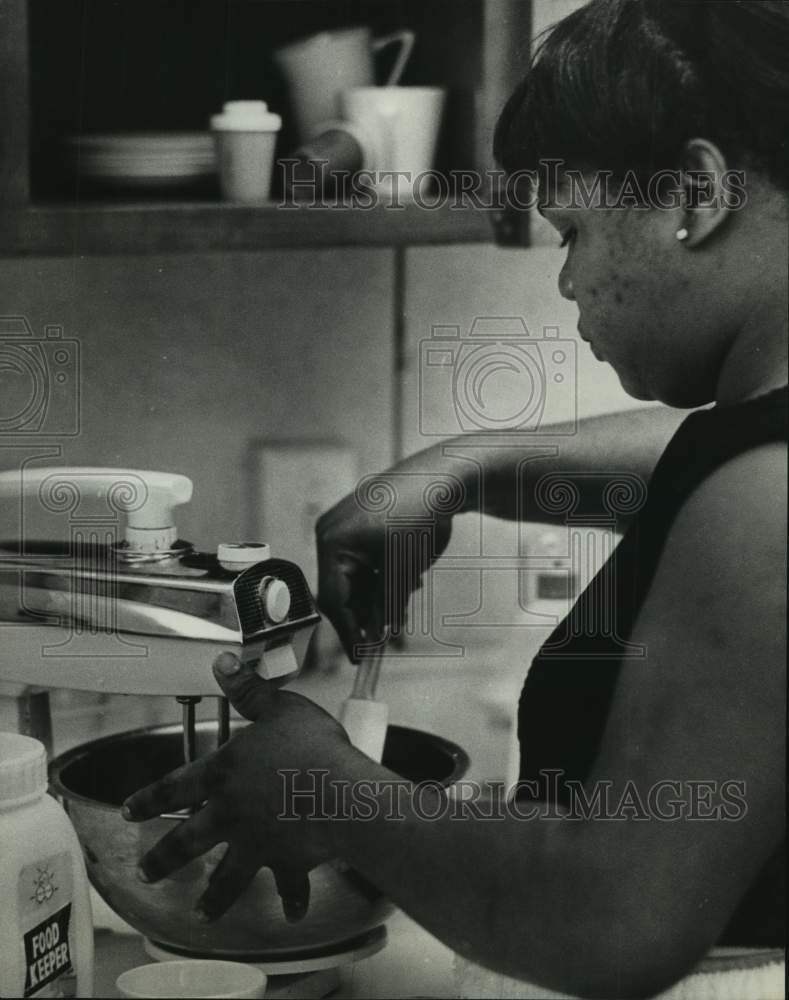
{"x": 23, "y": 768}
{"x": 246, "y": 116}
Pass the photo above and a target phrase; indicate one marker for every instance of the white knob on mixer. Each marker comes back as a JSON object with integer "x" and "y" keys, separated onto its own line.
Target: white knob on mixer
{"x": 275, "y": 596}
{"x": 235, "y": 556}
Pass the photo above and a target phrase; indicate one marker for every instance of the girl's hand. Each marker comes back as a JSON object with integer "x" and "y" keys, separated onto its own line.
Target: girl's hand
{"x": 240, "y": 794}
{"x": 375, "y": 545}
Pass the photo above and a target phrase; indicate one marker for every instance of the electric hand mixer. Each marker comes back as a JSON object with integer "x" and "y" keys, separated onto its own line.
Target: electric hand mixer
{"x": 143, "y": 613}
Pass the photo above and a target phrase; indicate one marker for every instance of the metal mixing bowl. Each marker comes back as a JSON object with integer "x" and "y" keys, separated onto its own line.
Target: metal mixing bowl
{"x": 94, "y": 779}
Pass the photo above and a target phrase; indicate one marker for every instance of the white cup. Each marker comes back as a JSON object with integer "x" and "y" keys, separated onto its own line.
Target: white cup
{"x": 192, "y": 978}
{"x": 246, "y": 135}
{"x": 402, "y": 125}
{"x": 317, "y": 69}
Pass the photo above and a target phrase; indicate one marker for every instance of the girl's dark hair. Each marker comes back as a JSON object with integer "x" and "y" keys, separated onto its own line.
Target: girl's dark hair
{"x": 623, "y": 84}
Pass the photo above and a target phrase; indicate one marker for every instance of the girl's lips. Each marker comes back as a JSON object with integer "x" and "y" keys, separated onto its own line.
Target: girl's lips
{"x": 596, "y": 353}
{"x": 586, "y": 340}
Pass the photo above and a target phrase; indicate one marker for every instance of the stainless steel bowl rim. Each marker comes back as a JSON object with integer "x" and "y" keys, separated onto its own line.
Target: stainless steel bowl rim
{"x": 58, "y": 764}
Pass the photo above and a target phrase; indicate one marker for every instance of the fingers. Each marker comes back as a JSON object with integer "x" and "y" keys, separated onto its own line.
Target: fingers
{"x": 351, "y": 636}
{"x": 333, "y": 590}
{"x": 364, "y": 601}
{"x": 324, "y": 654}
{"x": 248, "y": 693}
{"x": 397, "y": 593}
{"x": 346, "y": 593}
{"x": 186, "y": 841}
{"x": 312, "y": 657}
{"x": 229, "y": 879}
{"x": 293, "y": 886}
{"x": 188, "y": 786}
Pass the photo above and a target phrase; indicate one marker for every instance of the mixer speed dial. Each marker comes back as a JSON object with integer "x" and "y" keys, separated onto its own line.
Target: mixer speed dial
{"x": 275, "y": 596}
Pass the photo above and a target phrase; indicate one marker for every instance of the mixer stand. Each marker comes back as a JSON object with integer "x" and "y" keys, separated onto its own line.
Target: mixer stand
{"x": 310, "y": 975}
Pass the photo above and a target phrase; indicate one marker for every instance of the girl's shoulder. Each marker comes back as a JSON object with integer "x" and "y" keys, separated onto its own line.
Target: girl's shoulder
{"x": 729, "y": 534}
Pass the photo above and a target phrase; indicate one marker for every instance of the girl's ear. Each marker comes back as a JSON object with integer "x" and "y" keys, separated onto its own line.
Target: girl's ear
{"x": 706, "y": 193}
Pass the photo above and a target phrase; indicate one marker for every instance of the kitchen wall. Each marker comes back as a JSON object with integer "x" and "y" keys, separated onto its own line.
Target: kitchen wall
{"x": 186, "y": 360}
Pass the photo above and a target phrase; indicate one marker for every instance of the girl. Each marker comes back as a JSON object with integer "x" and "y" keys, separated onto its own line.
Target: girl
{"x": 667, "y": 120}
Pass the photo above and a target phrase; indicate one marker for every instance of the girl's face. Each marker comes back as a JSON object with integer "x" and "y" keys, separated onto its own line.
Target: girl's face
{"x": 638, "y": 308}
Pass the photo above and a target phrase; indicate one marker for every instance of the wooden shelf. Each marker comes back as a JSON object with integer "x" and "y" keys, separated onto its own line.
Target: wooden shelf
{"x": 179, "y": 227}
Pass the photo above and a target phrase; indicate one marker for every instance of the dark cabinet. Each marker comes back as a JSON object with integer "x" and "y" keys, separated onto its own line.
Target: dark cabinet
{"x": 70, "y": 67}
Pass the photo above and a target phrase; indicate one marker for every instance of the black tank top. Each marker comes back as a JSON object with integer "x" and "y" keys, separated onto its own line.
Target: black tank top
{"x": 568, "y": 690}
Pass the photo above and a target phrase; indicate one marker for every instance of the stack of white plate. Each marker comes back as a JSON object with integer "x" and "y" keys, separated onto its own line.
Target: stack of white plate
{"x": 143, "y": 160}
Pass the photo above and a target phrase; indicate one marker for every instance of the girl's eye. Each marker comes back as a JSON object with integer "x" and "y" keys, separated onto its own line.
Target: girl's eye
{"x": 567, "y": 237}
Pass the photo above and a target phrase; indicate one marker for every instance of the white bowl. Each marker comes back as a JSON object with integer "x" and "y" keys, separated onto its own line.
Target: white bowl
{"x": 192, "y": 978}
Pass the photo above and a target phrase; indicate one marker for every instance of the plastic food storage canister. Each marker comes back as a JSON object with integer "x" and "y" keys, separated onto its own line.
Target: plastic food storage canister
{"x": 46, "y": 928}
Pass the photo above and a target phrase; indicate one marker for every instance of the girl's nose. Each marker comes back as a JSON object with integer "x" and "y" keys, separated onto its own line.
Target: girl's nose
{"x": 566, "y": 289}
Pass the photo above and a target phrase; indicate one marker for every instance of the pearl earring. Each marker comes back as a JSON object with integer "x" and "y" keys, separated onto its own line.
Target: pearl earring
{"x": 682, "y": 234}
